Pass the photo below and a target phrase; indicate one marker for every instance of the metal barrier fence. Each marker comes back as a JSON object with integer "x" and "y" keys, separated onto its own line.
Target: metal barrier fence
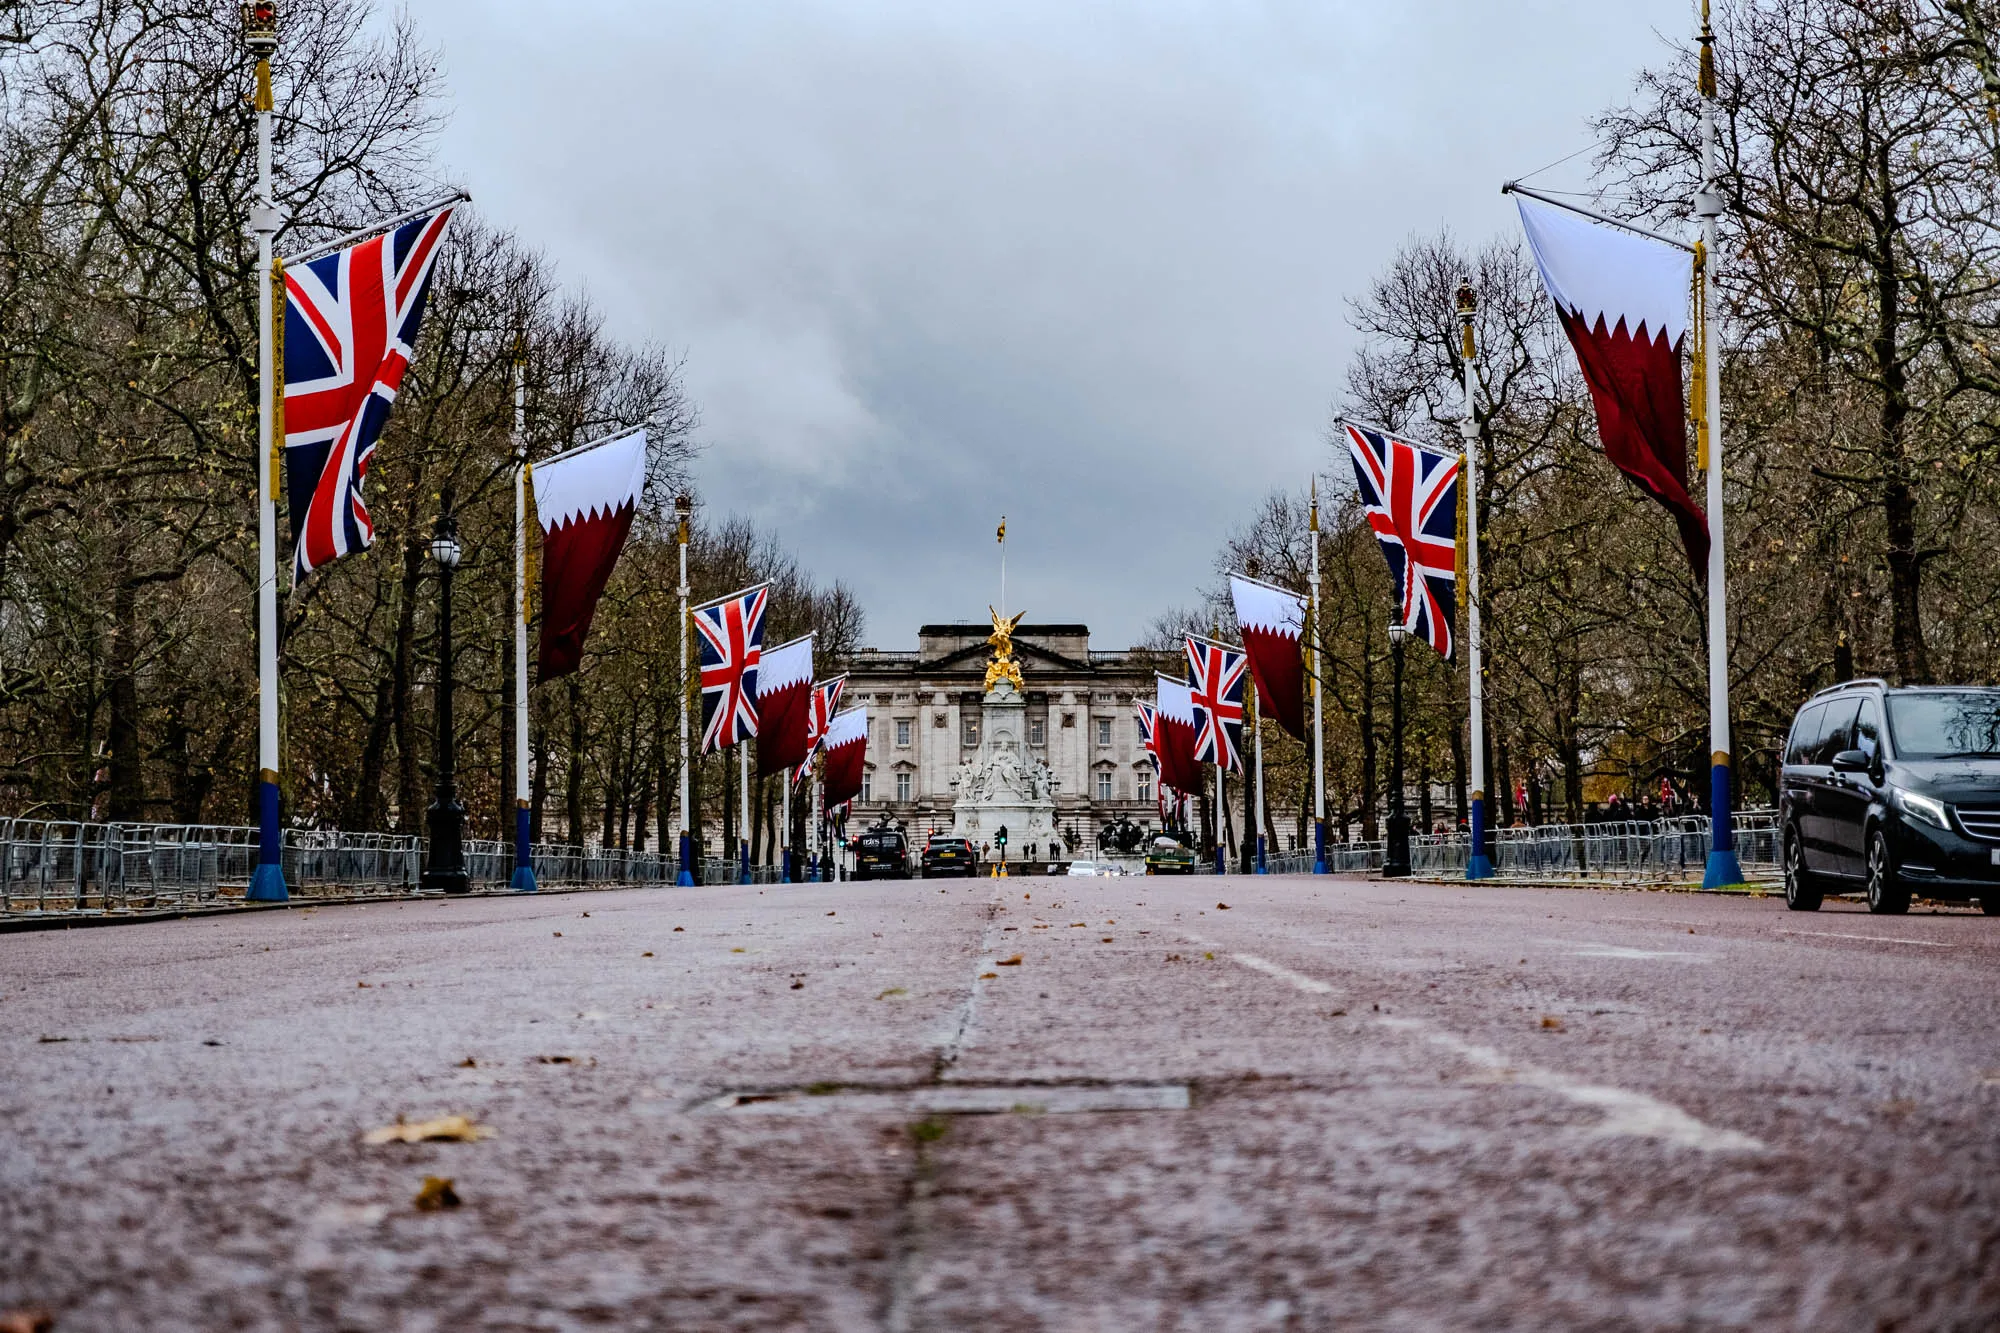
{"x": 1649, "y": 851}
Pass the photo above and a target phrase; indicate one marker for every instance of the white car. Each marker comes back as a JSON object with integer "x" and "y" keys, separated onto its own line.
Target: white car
{"x": 1087, "y": 869}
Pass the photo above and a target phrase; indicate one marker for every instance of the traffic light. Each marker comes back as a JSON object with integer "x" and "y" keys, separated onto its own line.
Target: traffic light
{"x": 1001, "y": 836}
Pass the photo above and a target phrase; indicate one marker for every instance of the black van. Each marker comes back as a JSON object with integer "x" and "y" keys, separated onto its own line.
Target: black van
{"x": 882, "y": 853}
{"x": 1897, "y": 790}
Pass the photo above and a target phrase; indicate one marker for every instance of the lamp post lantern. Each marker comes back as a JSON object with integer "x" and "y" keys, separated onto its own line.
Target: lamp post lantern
{"x": 444, "y": 863}
{"x": 1396, "y": 856}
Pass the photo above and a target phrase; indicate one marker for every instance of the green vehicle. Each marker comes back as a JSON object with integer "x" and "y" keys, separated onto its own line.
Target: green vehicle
{"x": 1168, "y": 857}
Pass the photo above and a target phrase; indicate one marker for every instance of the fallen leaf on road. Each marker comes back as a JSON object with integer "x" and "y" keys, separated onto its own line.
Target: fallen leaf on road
{"x": 468, "y": 1063}
{"x": 739, "y": 949}
{"x": 1552, "y": 1023}
{"x": 1105, "y": 940}
{"x": 50, "y": 1041}
{"x": 678, "y": 929}
{"x": 558, "y": 934}
{"x": 1015, "y": 961}
{"x": 1074, "y": 924}
{"x": 987, "y": 976}
{"x": 437, "y": 1193}
{"x": 798, "y": 985}
{"x": 450, "y": 1129}
{"x": 829, "y": 914}
{"x": 1222, "y": 907}
{"x": 555, "y": 1060}
{"x": 361, "y": 985}
{"x": 26, "y": 1321}
{"x": 586, "y": 914}
{"x": 892, "y": 993}
{"x": 647, "y": 954}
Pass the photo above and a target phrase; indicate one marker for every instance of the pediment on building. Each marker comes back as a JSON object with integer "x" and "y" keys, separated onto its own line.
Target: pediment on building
{"x": 1025, "y": 651}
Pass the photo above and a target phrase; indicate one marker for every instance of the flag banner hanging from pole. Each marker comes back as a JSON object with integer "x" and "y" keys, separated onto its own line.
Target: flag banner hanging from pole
{"x": 1623, "y": 301}
{"x": 731, "y": 630}
{"x": 784, "y": 706}
{"x": 1273, "y": 622}
{"x": 1216, "y": 676}
{"x": 584, "y": 501}
{"x": 1149, "y": 743}
{"x": 351, "y": 320}
{"x": 1174, "y": 733}
{"x": 1410, "y": 496}
{"x": 846, "y": 756}
{"x": 825, "y": 703}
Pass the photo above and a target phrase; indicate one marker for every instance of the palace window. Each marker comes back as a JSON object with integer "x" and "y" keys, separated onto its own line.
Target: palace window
{"x": 1104, "y": 731}
{"x": 1104, "y": 784}
{"x": 903, "y": 731}
{"x": 867, "y": 785}
{"x": 1038, "y": 731}
{"x": 969, "y": 732}
{"x": 903, "y": 787}
{"x": 1145, "y": 784}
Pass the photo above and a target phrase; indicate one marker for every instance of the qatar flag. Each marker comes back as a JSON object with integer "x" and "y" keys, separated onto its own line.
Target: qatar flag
{"x": 784, "y": 706}
{"x": 1173, "y": 731}
{"x": 1623, "y": 300}
{"x": 585, "y": 501}
{"x": 1273, "y": 621}
{"x": 846, "y": 750}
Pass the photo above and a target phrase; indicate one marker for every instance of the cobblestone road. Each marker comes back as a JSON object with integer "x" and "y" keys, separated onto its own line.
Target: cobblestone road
{"x": 1019, "y": 1104}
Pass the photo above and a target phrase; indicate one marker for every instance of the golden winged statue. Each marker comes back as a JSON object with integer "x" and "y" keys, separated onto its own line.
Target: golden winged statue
{"x": 1003, "y": 666}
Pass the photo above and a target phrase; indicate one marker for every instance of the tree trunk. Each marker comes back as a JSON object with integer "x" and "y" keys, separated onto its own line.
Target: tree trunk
{"x": 573, "y": 785}
{"x": 127, "y": 791}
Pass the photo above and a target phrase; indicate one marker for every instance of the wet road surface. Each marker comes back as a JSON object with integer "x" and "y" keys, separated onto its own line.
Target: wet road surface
{"x": 1018, "y": 1104}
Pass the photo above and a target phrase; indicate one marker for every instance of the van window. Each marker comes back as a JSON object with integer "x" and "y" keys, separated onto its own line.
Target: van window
{"x": 1837, "y": 730}
{"x": 1805, "y": 734}
{"x": 1868, "y": 730}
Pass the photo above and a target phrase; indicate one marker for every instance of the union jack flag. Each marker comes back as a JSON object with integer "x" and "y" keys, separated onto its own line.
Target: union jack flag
{"x": 732, "y": 642}
{"x": 1147, "y": 742}
{"x": 1410, "y": 495}
{"x": 1216, "y": 673}
{"x": 351, "y": 321}
{"x": 825, "y": 703}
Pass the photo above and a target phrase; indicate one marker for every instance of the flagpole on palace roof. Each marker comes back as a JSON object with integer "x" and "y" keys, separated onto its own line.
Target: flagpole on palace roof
{"x": 1478, "y": 864}
{"x": 267, "y": 882}
{"x": 1319, "y": 703}
{"x": 1722, "y": 867}
{"x": 524, "y": 858}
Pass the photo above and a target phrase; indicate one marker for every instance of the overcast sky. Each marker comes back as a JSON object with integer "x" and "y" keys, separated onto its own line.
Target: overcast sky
{"x": 1081, "y": 262}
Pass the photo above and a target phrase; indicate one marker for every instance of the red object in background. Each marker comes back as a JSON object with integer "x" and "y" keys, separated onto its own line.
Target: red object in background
{"x": 1273, "y": 622}
{"x": 846, "y": 756}
{"x": 584, "y": 502}
{"x": 784, "y": 706}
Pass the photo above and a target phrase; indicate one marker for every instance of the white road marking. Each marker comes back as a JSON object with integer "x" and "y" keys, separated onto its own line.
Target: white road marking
{"x": 1622, "y": 951}
{"x": 1270, "y": 969}
{"x": 1872, "y": 939}
{"x": 1626, "y": 1113}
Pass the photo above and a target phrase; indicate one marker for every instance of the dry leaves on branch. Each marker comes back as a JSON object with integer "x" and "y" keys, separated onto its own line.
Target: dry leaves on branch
{"x": 450, "y": 1128}
{"x": 437, "y": 1193}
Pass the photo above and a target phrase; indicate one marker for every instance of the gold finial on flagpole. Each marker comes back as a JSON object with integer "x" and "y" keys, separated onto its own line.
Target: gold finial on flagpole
{"x": 1706, "y": 83}
{"x": 1315, "y": 504}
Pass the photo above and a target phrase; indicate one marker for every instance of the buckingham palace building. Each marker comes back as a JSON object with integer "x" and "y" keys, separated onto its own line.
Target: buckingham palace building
{"x": 924, "y": 716}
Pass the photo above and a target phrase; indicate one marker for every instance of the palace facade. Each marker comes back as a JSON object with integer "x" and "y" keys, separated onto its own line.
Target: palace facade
{"x": 924, "y": 711}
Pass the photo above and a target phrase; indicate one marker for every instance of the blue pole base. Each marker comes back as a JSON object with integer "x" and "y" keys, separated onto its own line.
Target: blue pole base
{"x": 524, "y": 880}
{"x": 1221, "y": 864}
{"x": 685, "y": 879}
{"x": 746, "y": 877}
{"x": 1479, "y": 867}
{"x": 1722, "y": 870}
{"x": 267, "y": 885}
{"x": 1319, "y": 847}
{"x": 1262, "y": 869}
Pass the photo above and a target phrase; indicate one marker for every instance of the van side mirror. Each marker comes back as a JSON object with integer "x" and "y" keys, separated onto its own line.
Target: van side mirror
{"x": 1851, "y": 761}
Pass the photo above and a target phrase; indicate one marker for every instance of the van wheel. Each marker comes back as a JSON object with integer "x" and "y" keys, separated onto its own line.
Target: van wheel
{"x": 1887, "y": 895}
{"x": 1803, "y": 892}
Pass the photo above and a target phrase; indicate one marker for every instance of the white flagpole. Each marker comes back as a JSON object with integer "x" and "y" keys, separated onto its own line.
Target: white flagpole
{"x": 1722, "y": 866}
{"x": 1319, "y": 704}
{"x": 267, "y": 883}
{"x": 1478, "y": 864}
{"x": 524, "y": 863}
{"x": 683, "y": 506}
{"x": 1257, "y": 723}
{"x": 743, "y": 805}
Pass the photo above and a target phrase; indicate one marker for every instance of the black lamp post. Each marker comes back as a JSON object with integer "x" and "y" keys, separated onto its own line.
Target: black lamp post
{"x": 1396, "y": 856}
{"x": 444, "y": 866}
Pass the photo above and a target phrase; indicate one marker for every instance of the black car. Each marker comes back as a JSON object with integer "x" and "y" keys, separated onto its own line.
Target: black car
{"x": 881, "y": 854}
{"x": 1894, "y": 790}
{"x": 949, "y": 856}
